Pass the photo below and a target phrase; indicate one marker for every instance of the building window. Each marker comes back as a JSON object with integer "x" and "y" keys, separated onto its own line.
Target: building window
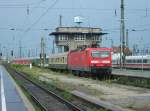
{"x": 63, "y": 38}
{"x": 79, "y": 37}
{"x": 95, "y": 38}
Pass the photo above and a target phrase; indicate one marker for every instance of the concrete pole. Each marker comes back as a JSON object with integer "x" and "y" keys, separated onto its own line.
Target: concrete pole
{"x": 20, "y": 49}
{"x": 122, "y": 35}
{"x": 0, "y": 52}
{"x": 127, "y": 38}
{"x": 42, "y": 52}
{"x": 60, "y": 21}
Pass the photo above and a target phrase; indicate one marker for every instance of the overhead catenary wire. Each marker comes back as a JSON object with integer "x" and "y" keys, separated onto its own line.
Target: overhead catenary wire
{"x": 73, "y": 8}
{"x": 27, "y": 4}
{"x": 42, "y": 15}
{"x": 48, "y": 29}
{"x": 28, "y": 11}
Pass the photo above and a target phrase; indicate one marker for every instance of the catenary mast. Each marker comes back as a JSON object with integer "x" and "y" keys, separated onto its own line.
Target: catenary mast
{"x": 122, "y": 36}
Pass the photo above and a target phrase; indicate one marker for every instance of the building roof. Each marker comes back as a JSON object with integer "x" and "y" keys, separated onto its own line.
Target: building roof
{"x": 77, "y": 30}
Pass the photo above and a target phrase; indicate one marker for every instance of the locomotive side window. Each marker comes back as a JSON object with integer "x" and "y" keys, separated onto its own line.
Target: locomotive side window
{"x": 101, "y": 54}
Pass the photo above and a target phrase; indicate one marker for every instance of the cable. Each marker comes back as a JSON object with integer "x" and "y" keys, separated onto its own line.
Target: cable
{"x": 98, "y": 9}
{"x": 32, "y": 3}
{"x": 22, "y": 30}
{"x": 28, "y": 10}
{"x": 28, "y": 29}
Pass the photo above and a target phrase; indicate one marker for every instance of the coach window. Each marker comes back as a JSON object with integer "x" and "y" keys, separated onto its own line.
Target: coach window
{"x": 53, "y": 60}
{"x": 59, "y": 60}
{"x": 134, "y": 61}
{"x": 65, "y": 60}
{"x": 139, "y": 61}
{"x": 144, "y": 61}
{"x": 62, "y": 61}
{"x": 129, "y": 61}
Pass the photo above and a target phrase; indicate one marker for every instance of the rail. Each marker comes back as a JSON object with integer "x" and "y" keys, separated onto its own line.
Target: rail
{"x": 50, "y": 93}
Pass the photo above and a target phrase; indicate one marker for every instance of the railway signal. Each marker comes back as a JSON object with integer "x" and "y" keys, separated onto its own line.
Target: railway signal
{"x": 12, "y": 53}
{"x": 1, "y": 54}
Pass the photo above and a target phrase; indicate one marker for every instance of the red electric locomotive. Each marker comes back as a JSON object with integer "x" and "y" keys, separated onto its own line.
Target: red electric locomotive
{"x": 90, "y": 60}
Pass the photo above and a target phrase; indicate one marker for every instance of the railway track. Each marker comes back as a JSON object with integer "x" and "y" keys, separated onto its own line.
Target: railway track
{"x": 47, "y": 100}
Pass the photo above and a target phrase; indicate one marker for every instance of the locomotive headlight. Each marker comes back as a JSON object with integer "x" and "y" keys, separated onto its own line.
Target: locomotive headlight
{"x": 94, "y": 62}
{"x": 106, "y": 62}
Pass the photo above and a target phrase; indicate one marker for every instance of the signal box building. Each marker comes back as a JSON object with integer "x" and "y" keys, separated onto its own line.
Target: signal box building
{"x": 70, "y": 38}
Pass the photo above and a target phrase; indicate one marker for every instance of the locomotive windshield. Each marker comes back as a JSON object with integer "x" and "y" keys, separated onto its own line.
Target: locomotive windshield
{"x": 100, "y": 54}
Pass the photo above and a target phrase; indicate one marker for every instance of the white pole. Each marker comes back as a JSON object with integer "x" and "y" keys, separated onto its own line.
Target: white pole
{"x": 142, "y": 60}
{"x": 142, "y": 52}
{"x": 31, "y": 66}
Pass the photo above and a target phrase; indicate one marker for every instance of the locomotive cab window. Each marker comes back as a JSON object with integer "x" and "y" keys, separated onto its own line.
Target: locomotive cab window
{"x": 100, "y": 54}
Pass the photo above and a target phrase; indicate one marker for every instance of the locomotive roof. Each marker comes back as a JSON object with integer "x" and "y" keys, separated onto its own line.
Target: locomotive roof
{"x": 82, "y": 49}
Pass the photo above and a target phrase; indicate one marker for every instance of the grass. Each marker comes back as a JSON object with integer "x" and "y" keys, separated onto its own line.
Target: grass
{"x": 66, "y": 95}
{"x": 130, "y": 105}
{"x": 34, "y": 70}
{"x": 19, "y": 82}
{"x": 138, "y": 82}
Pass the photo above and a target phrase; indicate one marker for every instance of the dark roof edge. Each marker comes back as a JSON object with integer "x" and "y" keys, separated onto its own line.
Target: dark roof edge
{"x": 57, "y": 33}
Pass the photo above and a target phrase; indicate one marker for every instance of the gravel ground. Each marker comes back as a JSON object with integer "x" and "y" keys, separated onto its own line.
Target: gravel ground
{"x": 124, "y": 96}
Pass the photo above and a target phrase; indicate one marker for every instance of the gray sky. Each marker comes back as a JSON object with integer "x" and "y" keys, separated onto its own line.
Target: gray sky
{"x": 44, "y": 14}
